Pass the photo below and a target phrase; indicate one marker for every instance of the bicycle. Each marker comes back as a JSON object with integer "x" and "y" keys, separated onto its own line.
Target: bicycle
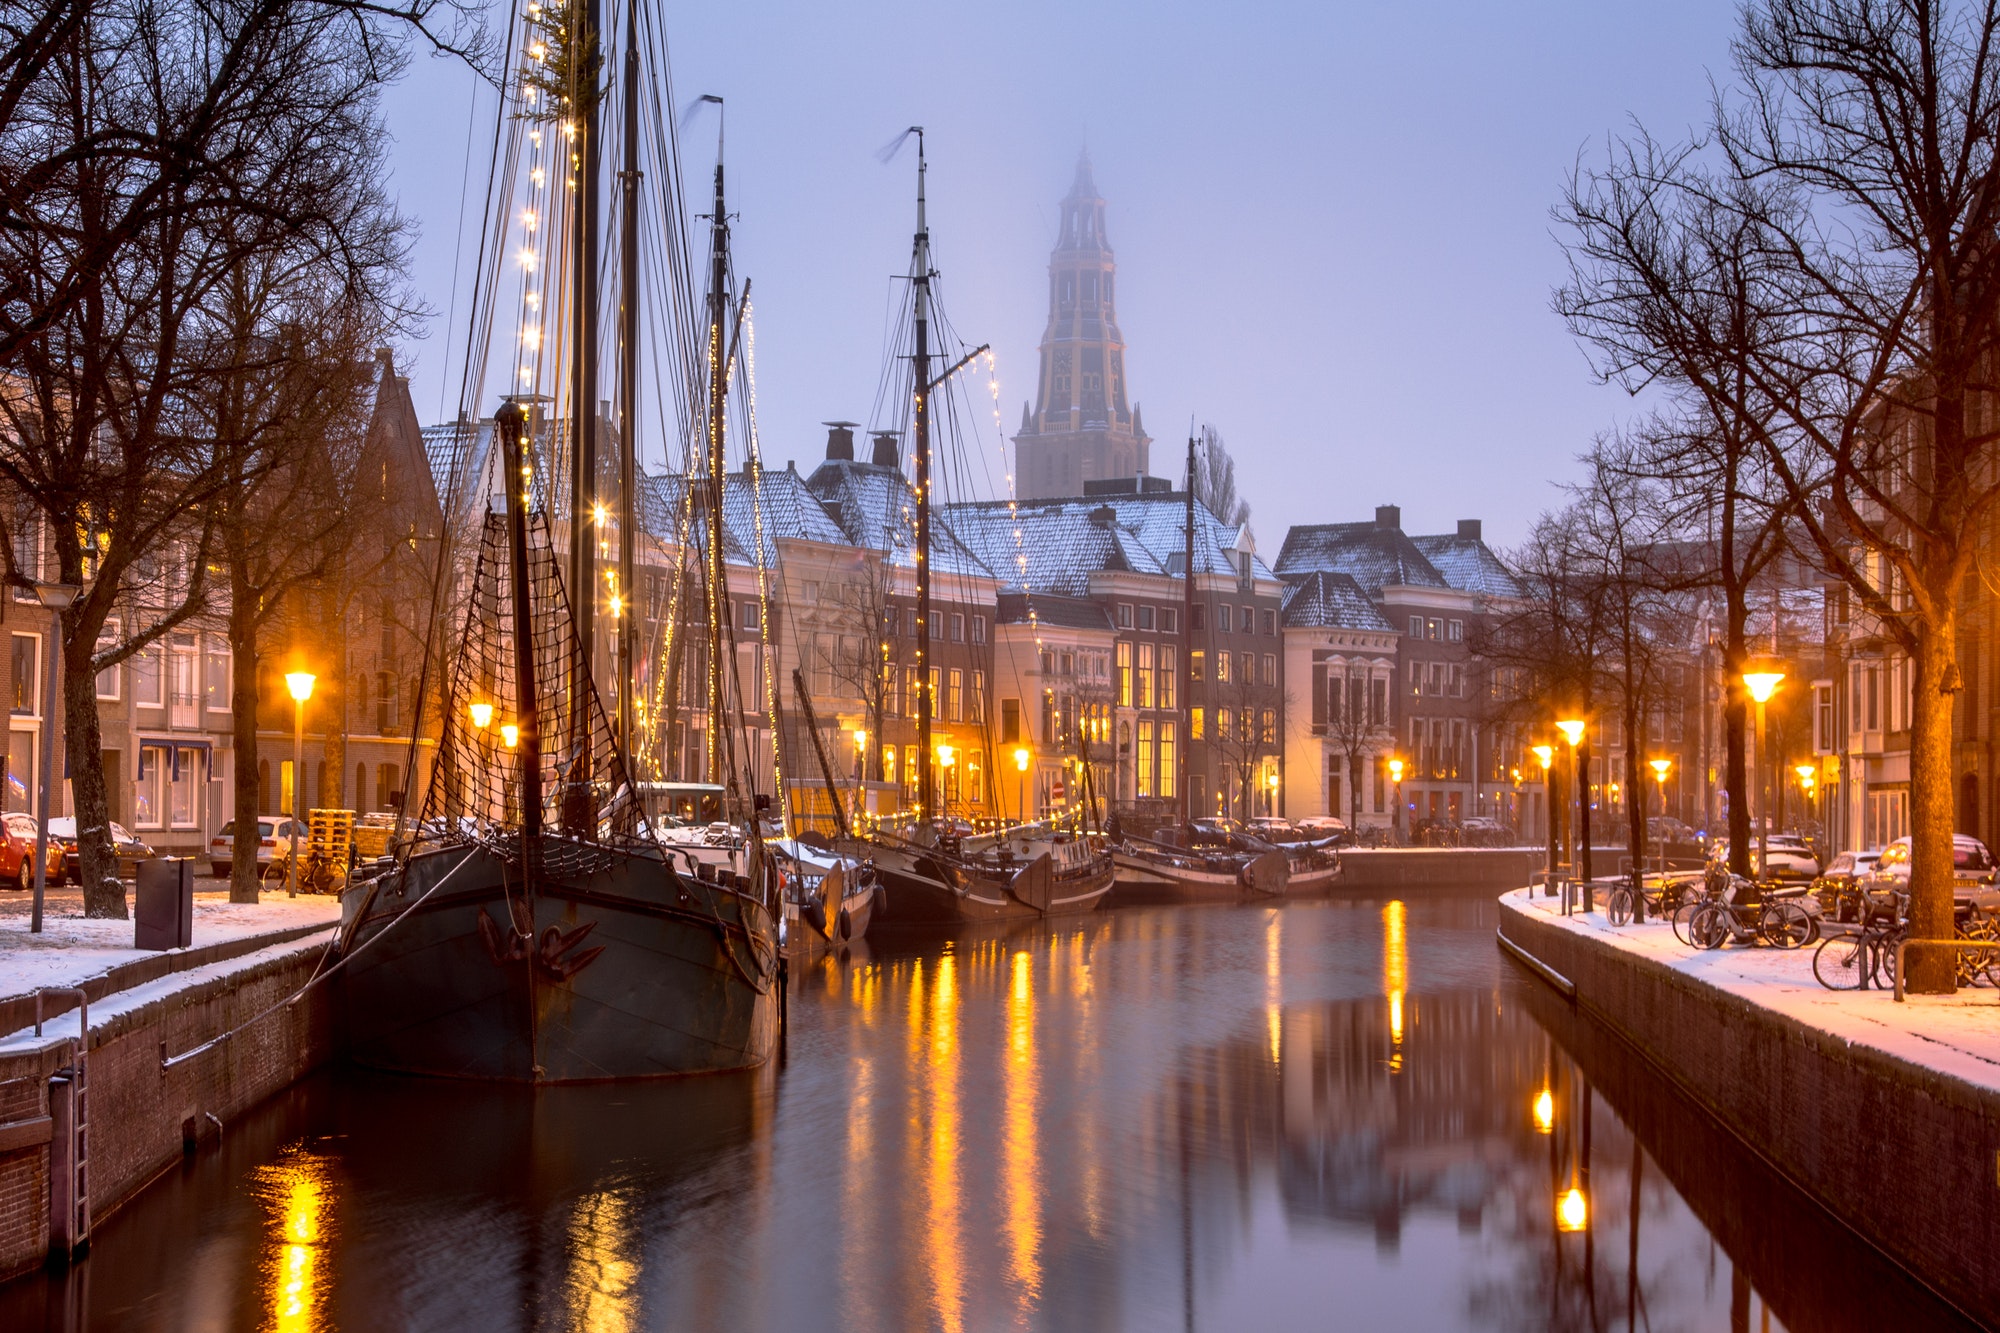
{"x": 1664, "y": 901}
{"x": 1781, "y": 923}
{"x": 319, "y": 872}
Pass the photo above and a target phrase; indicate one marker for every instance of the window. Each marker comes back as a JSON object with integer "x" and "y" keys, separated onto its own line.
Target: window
{"x": 1270, "y": 668}
{"x": 750, "y": 619}
{"x": 1170, "y": 620}
{"x": 1010, "y": 721}
{"x": 1197, "y": 665}
{"x": 1431, "y": 628}
{"x": 1378, "y": 702}
{"x": 1223, "y": 719}
{"x": 149, "y": 791}
{"x": 1124, "y": 615}
{"x": 1416, "y": 627}
{"x": 1416, "y": 678}
{"x": 1222, "y": 668}
{"x": 1822, "y": 717}
{"x": 1143, "y": 761}
{"x": 1222, "y": 615}
{"x": 1270, "y": 727}
{"x": 1145, "y": 692}
{"x": 1169, "y": 696}
{"x": 146, "y": 677}
{"x": 954, "y": 698}
{"x": 1249, "y": 620}
{"x": 1246, "y": 668}
{"x": 385, "y": 703}
{"x": 1145, "y": 617}
{"x": 1195, "y": 730}
{"x": 27, "y": 682}
{"x": 1197, "y": 617}
{"x": 1457, "y": 690}
{"x": 183, "y": 773}
{"x": 1124, "y": 652}
{"x": 979, "y": 629}
{"x": 975, "y": 704}
{"x": 958, "y": 627}
{"x": 215, "y": 673}
{"x": 889, "y": 764}
{"x": 388, "y": 793}
{"x": 910, "y": 622}
{"x": 1271, "y": 622}
{"x": 1168, "y": 759}
{"x": 937, "y": 624}
{"x": 1454, "y": 631}
{"x": 107, "y": 679}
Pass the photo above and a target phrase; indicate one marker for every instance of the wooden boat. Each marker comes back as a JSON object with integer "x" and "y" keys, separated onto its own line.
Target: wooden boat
{"x": 1192, "y": 871}
{"x": 829, "y": 900}
{"x": 1037, "y": 873}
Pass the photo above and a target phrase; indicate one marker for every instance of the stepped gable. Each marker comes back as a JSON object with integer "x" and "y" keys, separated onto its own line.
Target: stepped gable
{"x": 1321, "y": 599}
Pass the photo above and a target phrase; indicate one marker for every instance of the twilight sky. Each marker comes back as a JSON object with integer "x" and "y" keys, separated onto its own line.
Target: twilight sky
{"x": 1331, "y": 220}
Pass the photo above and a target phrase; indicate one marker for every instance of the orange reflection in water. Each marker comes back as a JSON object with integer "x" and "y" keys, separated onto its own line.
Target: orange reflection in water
{"x": 1022, "y": 1176}
{"x": 934, "y": 1037}
{"x": 1395, "y": 973}
{"x": 601, "y": 1288}
{"x": 1274, "y": 980}
{"x": 296, "y": 1189}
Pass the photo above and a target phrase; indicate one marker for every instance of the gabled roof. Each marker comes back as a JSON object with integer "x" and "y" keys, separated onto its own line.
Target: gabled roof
{"x": 1375, "y": 556}
{"x": 874, "y": 507}
{"x": 1469, "y": 565}
{"x": 1047, "y": 608}
{"x": 1322, "y": 600}
{"x": 1056, "y": 545}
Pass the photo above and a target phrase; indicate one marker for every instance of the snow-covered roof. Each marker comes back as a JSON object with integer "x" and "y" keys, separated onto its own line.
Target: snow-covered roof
{"x": 1468, "y": 564}
{"x": 1322, "y": 600}
{"x": 1376, "y": 556}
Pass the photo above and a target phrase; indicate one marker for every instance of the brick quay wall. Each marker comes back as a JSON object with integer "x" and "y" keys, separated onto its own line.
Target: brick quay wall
{"x": 142, "y": 1119}
{"x": 1905, "y": 1156}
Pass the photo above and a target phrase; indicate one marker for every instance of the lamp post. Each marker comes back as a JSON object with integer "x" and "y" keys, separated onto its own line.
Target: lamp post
{"x": 1021, "y": 786}
{"x": 1661, "y": 767}
{"x": 1573, "y": 732}
{"x": 1762, "y": 682}
{"x": 1808, "y": 781}
{"x": 57, "y": 597}
{"x": 1545, "y": 755}
{"x": 300, "y": 683}
{"x": 1396, "y": 777}
{"x": 1271, "y": 784}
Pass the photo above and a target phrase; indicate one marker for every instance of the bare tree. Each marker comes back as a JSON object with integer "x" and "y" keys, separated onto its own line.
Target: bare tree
{"x": 1215, "y": 480}
{"x": 1357, "y": 726}
{"x": 105, "y": 436}
{"x": 1859, "y": 151}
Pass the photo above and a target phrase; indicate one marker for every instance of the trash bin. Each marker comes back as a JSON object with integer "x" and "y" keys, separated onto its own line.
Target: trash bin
{"x": 164, "y": 908}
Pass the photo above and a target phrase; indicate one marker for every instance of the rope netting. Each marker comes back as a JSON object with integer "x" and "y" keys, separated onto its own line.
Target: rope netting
{"x": 475, "y": 792}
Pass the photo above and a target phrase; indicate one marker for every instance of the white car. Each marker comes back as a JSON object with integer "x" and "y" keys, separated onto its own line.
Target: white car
{"x": 1791, "y": 857}
{"x": 1972, "y": 865}
{"x": 274, "y": 843}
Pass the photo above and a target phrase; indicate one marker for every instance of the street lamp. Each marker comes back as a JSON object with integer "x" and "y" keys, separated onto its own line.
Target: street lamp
{"x": 1021, "y": 766}
{"x": 1271, "y": 781}
{"x": 58, "y": 598}
{"x": 1573, "y": 731}
{"x": 1396, "y": 777}
{"x": 1761, "y": 680}
{"x": 1545, "y": 755}
{"x": 1808, "y": 781}
{"x": 482, "y": 715}
{"x": 300, "y": 683}
{"x": 1661, "y": 767}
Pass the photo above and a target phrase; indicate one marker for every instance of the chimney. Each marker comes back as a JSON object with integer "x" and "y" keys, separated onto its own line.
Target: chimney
{"x": 1469, "y": 528}
{"x": 1389, "y": 516}
{"x": 1104, "y": 516}
{"x": 888, "y": 449}
{"x": 839, "y": 441}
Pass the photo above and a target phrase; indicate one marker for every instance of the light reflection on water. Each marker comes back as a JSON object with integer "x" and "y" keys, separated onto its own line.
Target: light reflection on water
{"x": 1347, "y": 1112}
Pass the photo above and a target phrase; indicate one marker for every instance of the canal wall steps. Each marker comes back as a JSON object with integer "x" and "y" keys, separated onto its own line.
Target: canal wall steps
{"x": 142, "y": 1117}
{"x": 1901, "y": 1143}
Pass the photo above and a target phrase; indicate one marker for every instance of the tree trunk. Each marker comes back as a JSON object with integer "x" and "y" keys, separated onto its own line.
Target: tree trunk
{"x": 1635, "y": 801}
{"x": 1931, "y": 971}
{"x": 243, "y": 869}
{"x": 1583, "y": 814}
{"x": 83, "y": 739}
{"x": 1735, "y": 725}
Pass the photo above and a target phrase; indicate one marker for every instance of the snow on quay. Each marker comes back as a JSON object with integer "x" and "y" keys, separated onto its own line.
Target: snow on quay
{"x": 1957, "y": 1036}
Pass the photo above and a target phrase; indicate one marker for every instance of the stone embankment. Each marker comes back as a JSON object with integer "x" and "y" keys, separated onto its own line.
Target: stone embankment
{"x": 137, "y": 1116}
{"x": 1886, "y": 1115}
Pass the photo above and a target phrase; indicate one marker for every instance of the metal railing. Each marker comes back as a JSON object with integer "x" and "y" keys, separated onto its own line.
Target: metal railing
{"x": 1956, "y": 946}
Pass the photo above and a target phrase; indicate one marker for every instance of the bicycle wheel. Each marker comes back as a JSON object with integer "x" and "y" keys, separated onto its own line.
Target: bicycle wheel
{"x": 1838, "y": 963}
{"x": 1710, "y": 926}
{"x": 1684, "y": 917}
{"x": 1784, "y": 925}
{"x": 1618, "y": 907}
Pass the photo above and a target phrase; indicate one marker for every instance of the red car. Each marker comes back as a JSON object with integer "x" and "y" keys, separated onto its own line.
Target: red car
{"x": 17, "y": 854}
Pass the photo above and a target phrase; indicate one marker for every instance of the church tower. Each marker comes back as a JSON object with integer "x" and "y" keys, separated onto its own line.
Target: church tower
{"x": 1083, "y": 427}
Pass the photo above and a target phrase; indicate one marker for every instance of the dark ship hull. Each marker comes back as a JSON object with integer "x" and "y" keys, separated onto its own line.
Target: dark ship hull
{"x": 923, "y": 889}
{"x": 614, "y": 967}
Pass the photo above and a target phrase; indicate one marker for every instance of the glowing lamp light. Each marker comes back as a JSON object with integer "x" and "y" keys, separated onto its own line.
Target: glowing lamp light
{"x": 482, "y": 715}
{"x": 1572, "y": 1210}
{"x": 1762, "y": 684}
{"x": 1545, "y": 755}
{"x": 300, "y": 683}
{"x": 1808, "y": 775}
{"x": 1395, "y": 770}
{"x": 1572, "y": 730}
{"x": 1660, "y": 767}
{"x": 1272, "y": 782}
{"x": 1021, "y": 760}
{"x": 1545, "y": 1112}
{"x": 511, "y": 734}
{"x": 946, "y": 755}
{"x": 597, "y": 514}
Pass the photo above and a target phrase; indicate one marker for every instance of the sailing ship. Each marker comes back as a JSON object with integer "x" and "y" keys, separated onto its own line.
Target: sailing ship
{"x": 1201, "y": 862}
{"x": 931, "y": 872}
{"x": 531, "y": 928}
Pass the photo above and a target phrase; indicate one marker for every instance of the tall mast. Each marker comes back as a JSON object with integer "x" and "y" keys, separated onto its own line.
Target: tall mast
{"x": 920, "y": 273}
{"x": 583, "y": 534}
{"x": 509, "y": 420}
{"x": 715, "y": 758}
{"x": 628, "y": 382}
{"x": 1187, "y": 630}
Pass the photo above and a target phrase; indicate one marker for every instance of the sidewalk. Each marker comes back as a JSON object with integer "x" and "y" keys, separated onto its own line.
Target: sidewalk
{"x": 1957, "y": 1036}
{"x": 72, "y": 948}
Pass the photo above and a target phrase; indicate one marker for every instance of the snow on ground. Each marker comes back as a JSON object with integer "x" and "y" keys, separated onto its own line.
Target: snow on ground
{"x": 1954, "y": 1035}
{"x": 72, "y": 947}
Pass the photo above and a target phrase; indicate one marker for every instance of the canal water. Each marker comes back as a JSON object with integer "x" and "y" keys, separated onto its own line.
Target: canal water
{"x": 1342, "y": 1114}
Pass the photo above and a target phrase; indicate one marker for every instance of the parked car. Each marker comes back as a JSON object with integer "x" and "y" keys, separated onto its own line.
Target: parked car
{"x": 274, "y": 843}
{"x": 1318, "y": 828}
{"x": 1791, "y": 857}
{"x": 1484, "y": 831}
{"x": 128, "y": 849}
{"x": 17, "y": 854}
{"x": 1972, "y": 865}
{"x": 1274, "y": 830}
{"x": 1838, "y": 886}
